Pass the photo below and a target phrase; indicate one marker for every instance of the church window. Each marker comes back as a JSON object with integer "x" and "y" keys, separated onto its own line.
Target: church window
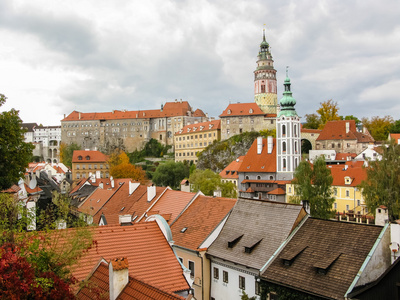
{"x": 283, "y": 130}
{"x": 284, "y": 147}
{"x": 295, "y": 130}
{"x": 263, "y": 88}
{"x": 284, "y": 163}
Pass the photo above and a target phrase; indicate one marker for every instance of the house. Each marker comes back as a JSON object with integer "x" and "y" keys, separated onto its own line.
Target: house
{"x": 86, "y": 162}
{"x": 193, "y": 231}
{"x": 128, "y": 130}
{"x": 343, "y": 136}
{"x": 327, "y": 259}
{"x": 231, "y": 172}
{"x": 148, "y": 250}
{"x": 371, "y": 153}
{"x": 111, "y": 280}
{"x": 252, "y": 233}
{"x": 194, "y": 138}
{"x": 394, "y": 136}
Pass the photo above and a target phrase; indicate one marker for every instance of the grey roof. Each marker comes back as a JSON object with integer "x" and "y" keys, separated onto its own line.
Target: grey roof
{"x": 261, "y": 226}
{"x": 29, "y": 126}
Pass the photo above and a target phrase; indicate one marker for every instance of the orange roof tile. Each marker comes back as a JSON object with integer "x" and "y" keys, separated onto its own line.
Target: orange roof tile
{"x": 344, "y": 156}
{"x": 202, "y": 216}
{"x": 306, "y": 130}
{"x": 97, "y": 200}
{"x": 264, "y": 162}
{"x": 88, "y": 156}
{"x": 277, "y": 191}
{"x": 242, "y": 109}
{"x": 231, "y": 170}
{"x": 13, "y": 189}
{"x": 150, "y": 256}
{"x": 355, "y": 171}
{"x": 170, "y": 109}
{"x": 172, "y": 202}
{"x": 336, "y": 130}
{"x": 200, "y": 127}
{"x": 36, "y": 190}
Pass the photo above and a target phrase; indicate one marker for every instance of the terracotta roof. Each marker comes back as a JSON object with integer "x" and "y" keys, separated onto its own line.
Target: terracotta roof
{"x": 242, "y": 109}
{"x": 97, "y": 200}
{"x": 36, "y": 190}
{"x": 13, "y": 189}
{"x": 88, "y": 156}
{"x": 264, "y": 162}
{"x": 172, "y": 202}
{"x": 340, "y": 248}
{"x": 199, "y": 113}
{"x": 336, "y": 130}
{"x": 355, "y": 171}
{"x": 252, "y": 221}
{"x": 344, "y": 156}
{"x": 202, "y": 216}
{"x": 394, "y": 136}
{"x": 277, "y": 191}
{"x": 135, "y": 289}
{"x": 170, "y": 109}
{"x": 306, "y": 130}
{"x": 231, "y": 170}
{"x": 200, "y": 127}
{"x": 150, "y": 256}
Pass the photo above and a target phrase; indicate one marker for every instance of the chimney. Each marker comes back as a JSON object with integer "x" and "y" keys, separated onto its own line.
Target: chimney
{"x": 133, "y": 186}
{"x": 347, "y": 127}
{"x": 270, "y": 140}
{"x": 79, "y": 115}
{"x": 112, "y": 182}
{"x": 306, "y": 206}
{"x": 259, "y": 145}
{"x": 101, "y": 185}
{"x": 381, "y": 215}
{"x": 118, "y": 273}
{"x": 151, "y": 192}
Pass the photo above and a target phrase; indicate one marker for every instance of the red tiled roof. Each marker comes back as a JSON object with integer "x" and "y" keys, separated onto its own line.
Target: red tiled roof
{"x": 264, "y": 162}
{"x": 277, "y": 191}
{"x": 150, "y": 256}
{"x": 172, "y": 202}
{"x": 242, "y": 109}
{"x": 13, "y": 189}
{"x": 355, "y": 171}
{"x": 395, "y": 136}
{"x": 170, "y": 109}
{"x": 199, "y": 113}
{"x": 94, "y": 156}
{"x": 306, "y": 130}
{"x": 200, "y": 127}
{"x": 97, "y": 200}
{"x": 202, "y": 216}
{"x": 231, "y": 170}
{"x": 336, "y": 130}
{"x": 37, "y": 189}
{"x": 344, "y": 156}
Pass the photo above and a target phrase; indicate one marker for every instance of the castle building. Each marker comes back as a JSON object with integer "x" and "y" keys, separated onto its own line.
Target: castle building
{"x": 128, "y": 130}
{"x": 260, "y": 114}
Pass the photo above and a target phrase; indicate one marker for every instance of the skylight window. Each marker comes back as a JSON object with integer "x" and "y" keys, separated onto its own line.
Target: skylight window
{"x": 183, "y": 229}
{"x": 122, "y": 208}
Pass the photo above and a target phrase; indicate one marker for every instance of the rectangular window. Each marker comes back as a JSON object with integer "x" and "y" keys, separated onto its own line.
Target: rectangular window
{"x": 191, "y": 268}
{"x": 347, "y": 193}
{"x": 347, "y": 207}
{"x": 225, "y": 276}
{"x": 242, "y": 283}
{"x": 335, "y": 205}
{"x": 78, "y": 167}
{"x": 216, "y": 273}
{"x": 358, "y": 202}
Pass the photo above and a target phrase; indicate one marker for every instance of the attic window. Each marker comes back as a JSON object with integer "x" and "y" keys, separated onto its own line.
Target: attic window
{"x": 227, "y": 172}
{"x": 232, "y": 243}
{"x": 251, "y": 248}
{"x": 251, "y": 111}
{"x": 183, "y": 229}
{"x": 324, "y": 264}
{"x": 289, "y": 256}
{"x": 79, "y": 157}
{"x": 229, "y": 111}
{"x": 87, "y": 157}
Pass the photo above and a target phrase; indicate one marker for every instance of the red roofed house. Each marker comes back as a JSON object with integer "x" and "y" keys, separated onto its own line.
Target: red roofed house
{"x": 86, "y": 162}
{"x": 193, "y": 231}
{"x": 343, "y": 136}
{"x": 147, "y": 248}
{"x": 394, "y": 136}
{"x": 128, "y": 129}
{"x": 230, "y": 173}
{"x": 193, "y": 138}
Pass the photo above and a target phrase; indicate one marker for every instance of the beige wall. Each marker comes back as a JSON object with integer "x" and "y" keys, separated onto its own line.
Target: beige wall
{"x": 234, "y": 125}
{"x": 82, "y": 169}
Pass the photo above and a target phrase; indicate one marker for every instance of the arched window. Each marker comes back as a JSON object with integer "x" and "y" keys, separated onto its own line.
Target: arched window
{"x": 284, "y": 163}
{"x": 258, "y": 177}
{"x": 295, "y": 130}
{"x": 283, "y": 130}
{"x": 246, "y": 177}
{"x": 283, "y": 146}
{"x": 295, "y": 147}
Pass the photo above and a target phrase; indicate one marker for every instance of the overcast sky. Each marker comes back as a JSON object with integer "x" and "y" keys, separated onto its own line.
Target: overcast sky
{"x": 93, "y": 55}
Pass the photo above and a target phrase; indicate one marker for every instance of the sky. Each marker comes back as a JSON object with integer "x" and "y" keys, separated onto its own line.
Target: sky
{"x": 95, "y": 55}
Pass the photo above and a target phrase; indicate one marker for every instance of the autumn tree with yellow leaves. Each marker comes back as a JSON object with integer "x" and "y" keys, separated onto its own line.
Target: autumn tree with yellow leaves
{"x": 120, "y": 167}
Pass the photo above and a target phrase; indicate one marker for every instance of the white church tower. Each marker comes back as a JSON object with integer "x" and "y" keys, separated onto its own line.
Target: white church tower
{"x": 288, "y": 138}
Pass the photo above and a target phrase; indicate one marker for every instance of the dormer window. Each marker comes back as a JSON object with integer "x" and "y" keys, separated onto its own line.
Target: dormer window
{"x": 233, "y": 242}
{"x": 229, "y": 112}
{"x": 249, "y": 249}
{"x": 87, "y": 157}
{"x": 79, "y": 157}
{"x": 323, "y": 266}
{"x": 251, "y": 111}
{"x": 347, "y": 180}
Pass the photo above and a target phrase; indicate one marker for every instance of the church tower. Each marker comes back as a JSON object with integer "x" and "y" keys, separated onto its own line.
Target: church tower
{"x": 265, "y": 91}
{"x": 288, "y": 138}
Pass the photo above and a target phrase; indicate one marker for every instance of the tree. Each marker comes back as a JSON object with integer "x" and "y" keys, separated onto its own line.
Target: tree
{"x": 15, "y": 154}
{"x": 395, "y": 127}
{"x": 351, "y": 117}
{"x": 382, "y": 186}
{"x": 66, "y": 152}
{"x": 328, "y": 112}
{"x": 120, "y": 167}
{"x": 378, "y": 127}
{"x": 313, "y": 183}
{"x": 313, "y": 121}
{"x": 207, "y": 182}
{"x": 170, "y": 174}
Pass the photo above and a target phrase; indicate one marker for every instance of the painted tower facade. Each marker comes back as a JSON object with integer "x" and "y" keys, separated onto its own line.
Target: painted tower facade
{"x": 288, "y": 137}
{"x": 265, "y": 89}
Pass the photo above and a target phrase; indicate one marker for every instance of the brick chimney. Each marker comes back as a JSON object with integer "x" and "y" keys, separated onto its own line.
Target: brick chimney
{"x": 118, "y": 275}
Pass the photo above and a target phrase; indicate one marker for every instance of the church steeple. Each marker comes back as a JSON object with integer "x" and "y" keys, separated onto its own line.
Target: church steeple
{"x": 287, "y": 102}
{"x": 265, "y": 90}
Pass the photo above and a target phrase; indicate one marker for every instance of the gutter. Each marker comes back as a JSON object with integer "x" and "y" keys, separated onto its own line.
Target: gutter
{"x": 366, "y": 261}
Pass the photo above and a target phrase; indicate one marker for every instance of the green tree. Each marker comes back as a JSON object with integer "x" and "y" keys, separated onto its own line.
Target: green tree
{"x": 395, "y": 127}
{"x": 328, "y": 112}
{"x": 66, "y": 152}
{"x": 378, "y": 127}
{"x": 313, "y": 183}
{"x": 382, "y": 186}
{"x": 313, "y": 121}
{"x": 351, "y": 117}
{"x": 15, "y": 154}
{"x": 170, "y": 174}
{"x": 207, "y": 182}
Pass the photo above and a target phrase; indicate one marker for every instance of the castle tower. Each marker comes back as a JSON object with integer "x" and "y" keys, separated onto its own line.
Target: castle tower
{"x": 265, "y": 91}
{"x": 288, "y": 138}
